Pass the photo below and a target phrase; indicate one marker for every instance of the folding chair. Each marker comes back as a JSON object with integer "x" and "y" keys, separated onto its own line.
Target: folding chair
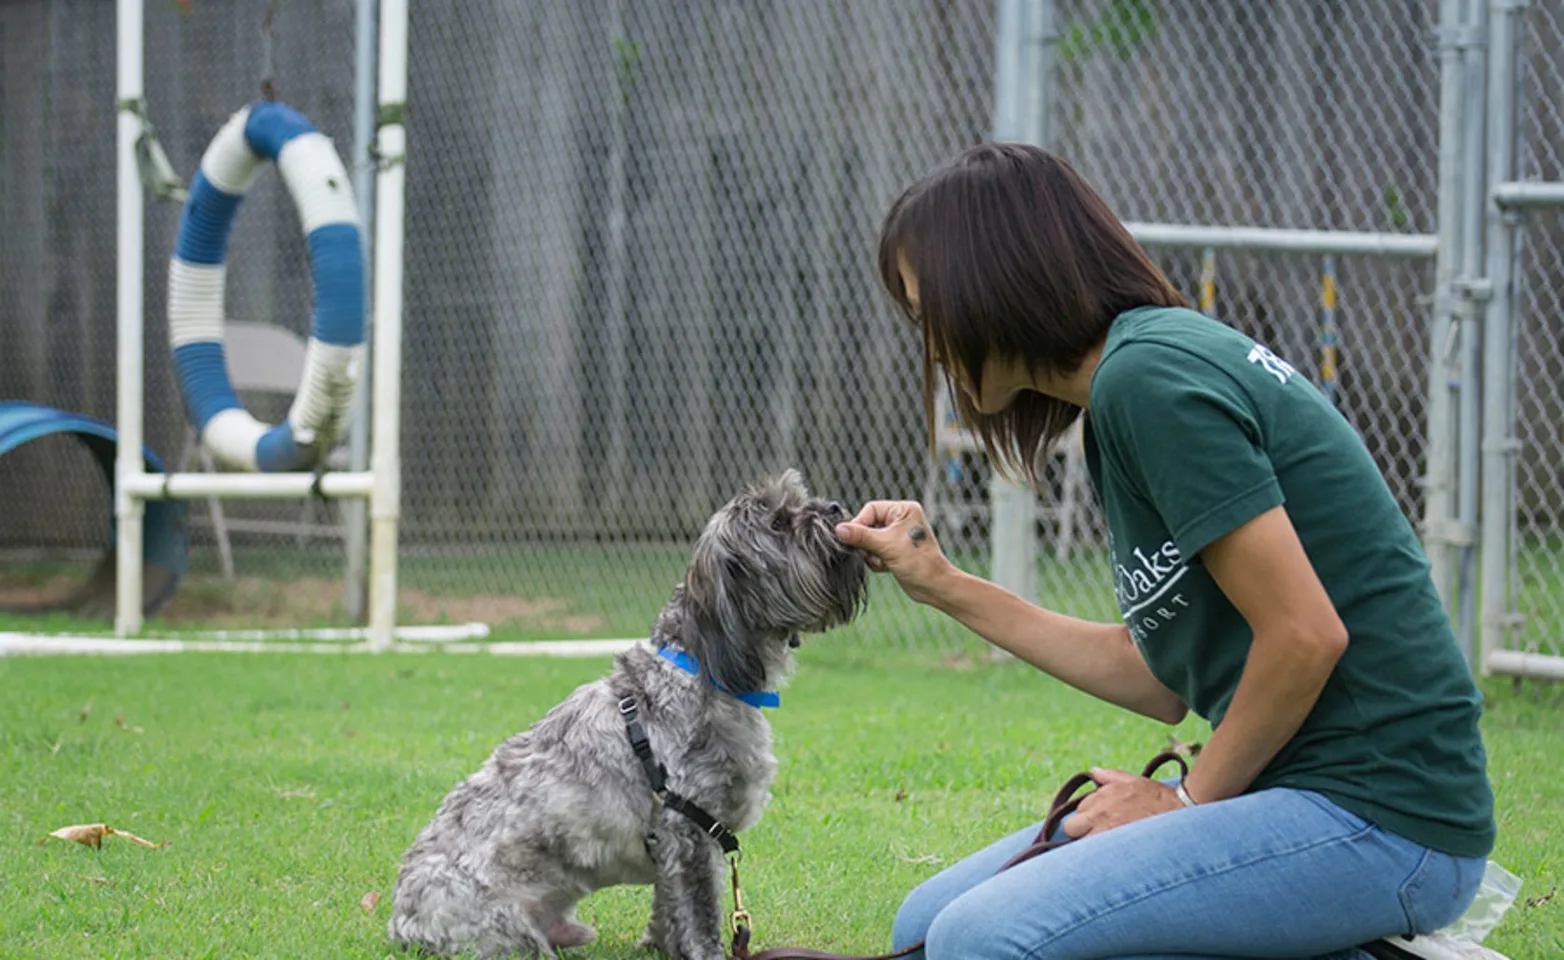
{"x": 264, "y": 359}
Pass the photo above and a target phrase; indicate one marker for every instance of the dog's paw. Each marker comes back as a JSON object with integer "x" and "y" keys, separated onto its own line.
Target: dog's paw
{"x": 569, "y": 933}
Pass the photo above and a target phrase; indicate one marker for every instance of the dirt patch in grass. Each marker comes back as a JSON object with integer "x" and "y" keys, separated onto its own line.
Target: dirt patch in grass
{"x": 29, "y": 594}
{"x": 255, "y": 602}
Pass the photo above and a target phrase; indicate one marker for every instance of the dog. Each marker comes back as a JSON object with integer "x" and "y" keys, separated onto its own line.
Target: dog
{"x": 568, "y": 806}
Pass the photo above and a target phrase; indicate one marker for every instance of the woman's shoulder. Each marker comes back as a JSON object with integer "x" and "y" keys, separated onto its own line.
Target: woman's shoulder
{"x": 1154, "y": 349}
{"x": 1175, "y": 329}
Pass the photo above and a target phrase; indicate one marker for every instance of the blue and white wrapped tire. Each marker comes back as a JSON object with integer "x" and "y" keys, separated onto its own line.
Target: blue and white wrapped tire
{"x": 323, "y": 195}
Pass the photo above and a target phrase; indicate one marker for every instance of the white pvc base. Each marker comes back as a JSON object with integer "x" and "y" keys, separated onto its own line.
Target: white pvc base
{"x": 45, "y": 645}
{"x": 1516, "y": 663}
{"x": 412, "y": 634}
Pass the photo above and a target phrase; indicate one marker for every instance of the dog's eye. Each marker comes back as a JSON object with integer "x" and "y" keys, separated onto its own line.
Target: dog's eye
{"x": 779, "y": 522}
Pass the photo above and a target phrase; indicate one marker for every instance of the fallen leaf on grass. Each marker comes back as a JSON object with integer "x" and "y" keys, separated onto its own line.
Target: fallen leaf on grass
{"x": 926, "y": 859}
{"x": 92, "y": 834}
{"x": 1188, "y": 750}
{"x": 100, "y": 881}
{"x": 302, "y": 793}
{"x": 121, "y": 722}
{"x": 901, "y": 795}
{"x": 1539, "y": 901}
{"x": 86, "y": 709}
{"x": 370, "y": 902}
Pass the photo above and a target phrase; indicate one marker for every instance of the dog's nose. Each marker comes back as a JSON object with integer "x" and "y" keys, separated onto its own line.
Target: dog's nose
{"x": 835, "y": 510}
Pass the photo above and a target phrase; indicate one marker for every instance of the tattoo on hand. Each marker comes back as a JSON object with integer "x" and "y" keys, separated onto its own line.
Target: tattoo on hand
{"x": 918, "y": 535}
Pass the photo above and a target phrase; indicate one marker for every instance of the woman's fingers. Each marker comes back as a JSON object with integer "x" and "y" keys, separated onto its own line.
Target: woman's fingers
{"x": 880, "y": 524}
{"x": 883, "y": 513}
{"x": 895, "y": 538}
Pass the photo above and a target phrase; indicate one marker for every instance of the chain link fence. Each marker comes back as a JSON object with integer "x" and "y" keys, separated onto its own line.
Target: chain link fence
{"x": 640, "y": 262}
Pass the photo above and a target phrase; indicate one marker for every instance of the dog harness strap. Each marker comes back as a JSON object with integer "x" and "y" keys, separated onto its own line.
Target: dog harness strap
{"x": 642, "y": 745}
{"x": 708, "y": 823}
{"x": 658, "y": 775}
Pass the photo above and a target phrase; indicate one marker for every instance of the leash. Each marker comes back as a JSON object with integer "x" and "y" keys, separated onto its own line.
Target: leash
{"x": 1065, "y": 803}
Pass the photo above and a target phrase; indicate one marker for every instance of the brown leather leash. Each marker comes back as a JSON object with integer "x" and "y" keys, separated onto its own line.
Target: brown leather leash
{"x": 1065, "y": 803}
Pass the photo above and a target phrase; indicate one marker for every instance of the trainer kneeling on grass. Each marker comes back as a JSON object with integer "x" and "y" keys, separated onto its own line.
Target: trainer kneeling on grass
{"x": 1267, "y": 579}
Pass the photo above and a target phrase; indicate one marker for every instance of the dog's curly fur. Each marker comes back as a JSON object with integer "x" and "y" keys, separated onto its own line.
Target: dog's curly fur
{"x": 565, "y": 808}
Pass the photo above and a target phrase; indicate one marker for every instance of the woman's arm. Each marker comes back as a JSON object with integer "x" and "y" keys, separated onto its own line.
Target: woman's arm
{"x": 1098, "y": 658}
{"x": 1298, "y": 637}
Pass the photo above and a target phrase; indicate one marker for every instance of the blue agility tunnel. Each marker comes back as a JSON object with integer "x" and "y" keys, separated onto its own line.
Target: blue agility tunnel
{"x": 166, "y": 543}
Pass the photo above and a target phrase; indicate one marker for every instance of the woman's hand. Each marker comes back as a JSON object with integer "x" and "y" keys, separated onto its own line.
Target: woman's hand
{"x": 897, "y": 538}
{"x": 1120, "y": 798}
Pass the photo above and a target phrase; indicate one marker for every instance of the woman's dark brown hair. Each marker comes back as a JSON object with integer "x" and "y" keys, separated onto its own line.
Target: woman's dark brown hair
{"x": 1015, "y": 256}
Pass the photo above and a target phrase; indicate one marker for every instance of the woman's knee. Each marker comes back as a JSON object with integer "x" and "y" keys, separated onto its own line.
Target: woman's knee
{"x": 915, "y": 915}
{"x": 974, "y": 928}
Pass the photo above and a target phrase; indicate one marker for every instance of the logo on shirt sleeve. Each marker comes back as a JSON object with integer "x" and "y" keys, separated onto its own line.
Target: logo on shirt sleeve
{"x": 1272, "y": 364}
{"x": 1144, "y": 584}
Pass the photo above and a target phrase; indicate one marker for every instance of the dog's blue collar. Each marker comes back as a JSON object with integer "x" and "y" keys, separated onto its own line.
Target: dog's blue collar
{"x": 687, "y": 663}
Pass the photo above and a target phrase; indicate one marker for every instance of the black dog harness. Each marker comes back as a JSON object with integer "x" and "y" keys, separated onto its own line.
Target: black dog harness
{"x": 658, "y": 775}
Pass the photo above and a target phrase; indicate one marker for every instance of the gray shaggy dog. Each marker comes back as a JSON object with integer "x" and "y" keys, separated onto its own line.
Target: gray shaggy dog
{"x": 565, "y": 808}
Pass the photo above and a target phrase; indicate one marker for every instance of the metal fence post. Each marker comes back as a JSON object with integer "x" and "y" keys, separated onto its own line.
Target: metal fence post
{"x": 1023, "y": 73}
{"x": 1498, "y": 446}
{"x": 1472, "y": 288}
{"x": 1439, "y": 491}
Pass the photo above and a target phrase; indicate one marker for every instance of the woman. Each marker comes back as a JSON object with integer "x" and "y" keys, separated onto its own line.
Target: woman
{"x": 1267, "y": 579}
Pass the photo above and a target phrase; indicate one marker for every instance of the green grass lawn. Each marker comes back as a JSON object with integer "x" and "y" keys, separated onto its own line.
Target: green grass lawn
{"x": 287, "y": 787}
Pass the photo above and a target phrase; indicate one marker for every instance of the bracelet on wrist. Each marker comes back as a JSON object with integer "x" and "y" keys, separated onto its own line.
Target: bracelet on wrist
{"x": 1183, "y": 795}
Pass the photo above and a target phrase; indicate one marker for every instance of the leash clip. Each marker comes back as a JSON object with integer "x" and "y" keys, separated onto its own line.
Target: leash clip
{"x": 741, "y": 917}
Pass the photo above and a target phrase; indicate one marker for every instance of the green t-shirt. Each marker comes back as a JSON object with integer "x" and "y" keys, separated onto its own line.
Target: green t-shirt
{"x": 1193, "y": 430}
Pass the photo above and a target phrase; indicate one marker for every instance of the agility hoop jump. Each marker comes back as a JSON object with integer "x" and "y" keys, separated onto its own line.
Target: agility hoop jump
{"x": 262, "y": 461}
{"x": 328, "y": 212}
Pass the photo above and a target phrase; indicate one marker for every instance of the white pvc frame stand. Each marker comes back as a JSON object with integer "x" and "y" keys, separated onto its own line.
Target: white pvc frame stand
{"x": 381, "y": 483}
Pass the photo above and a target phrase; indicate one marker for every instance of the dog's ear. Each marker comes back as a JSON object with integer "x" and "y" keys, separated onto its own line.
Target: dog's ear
{"x": 723, "y": 639}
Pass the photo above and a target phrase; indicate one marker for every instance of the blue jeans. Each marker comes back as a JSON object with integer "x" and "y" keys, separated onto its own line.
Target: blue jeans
{"x": 1277, "y": 873}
